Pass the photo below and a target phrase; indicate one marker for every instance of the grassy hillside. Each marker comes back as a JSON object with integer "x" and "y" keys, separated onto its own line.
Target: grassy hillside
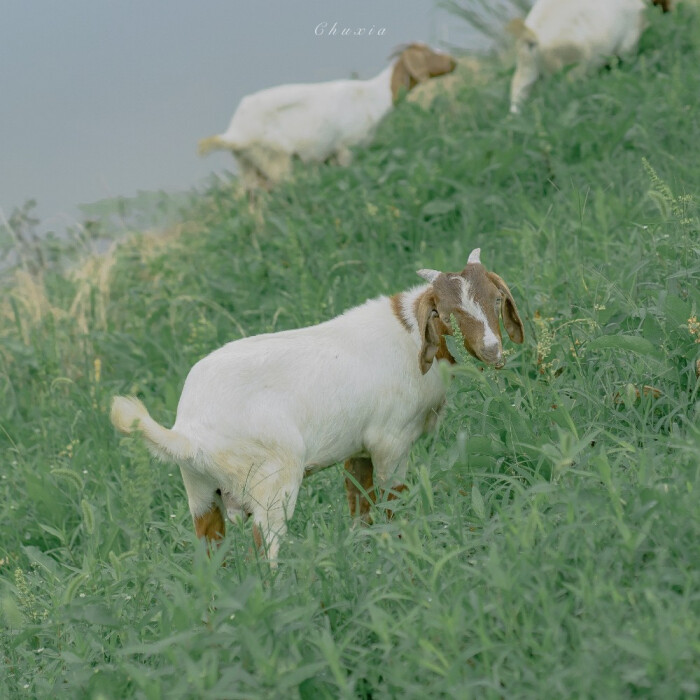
{"x": 550, "y": 541}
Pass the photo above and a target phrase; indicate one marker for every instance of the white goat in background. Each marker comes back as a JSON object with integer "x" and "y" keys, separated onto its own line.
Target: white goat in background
{"x": 318, "y": 121}
{"x": 558, "y": 33}
{"x": 258, "y": 413}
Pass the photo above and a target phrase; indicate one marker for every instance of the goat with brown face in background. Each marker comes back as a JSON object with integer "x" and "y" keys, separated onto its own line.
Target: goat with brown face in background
{"x": 259, "y": 413}
{"x": 316, "y": 122}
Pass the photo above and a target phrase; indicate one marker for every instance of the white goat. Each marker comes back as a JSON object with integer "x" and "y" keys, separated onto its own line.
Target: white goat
{"x": 557, "y": 33}
{"x": 257, "y": 413}
{"x": 318, "y": 121}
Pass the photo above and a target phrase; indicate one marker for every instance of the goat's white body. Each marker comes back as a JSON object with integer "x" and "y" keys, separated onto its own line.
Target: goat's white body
{"x": 562, "y": 32}
{"x": 312, "y": 121}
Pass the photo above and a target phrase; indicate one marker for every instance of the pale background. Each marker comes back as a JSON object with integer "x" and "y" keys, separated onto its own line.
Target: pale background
{"x": 103, "y": 98}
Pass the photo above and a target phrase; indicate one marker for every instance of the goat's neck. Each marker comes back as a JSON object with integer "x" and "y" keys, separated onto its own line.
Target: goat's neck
{"x": 380, "y": 86}
{"x": 383, "y": 80}
{"x": 405, "y": 306}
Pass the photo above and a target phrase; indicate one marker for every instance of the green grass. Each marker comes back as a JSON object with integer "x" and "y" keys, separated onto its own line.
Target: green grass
{"x": 549, "y": 545}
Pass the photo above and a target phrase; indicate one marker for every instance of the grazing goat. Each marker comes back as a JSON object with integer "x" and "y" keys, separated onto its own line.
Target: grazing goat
{"x": 557, "y": 33}
{"x": 318, "y": 121}
{"x": 258, "y": 413}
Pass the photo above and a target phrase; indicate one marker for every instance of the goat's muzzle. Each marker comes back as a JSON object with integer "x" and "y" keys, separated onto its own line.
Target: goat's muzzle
{"x": 492, "y": 356}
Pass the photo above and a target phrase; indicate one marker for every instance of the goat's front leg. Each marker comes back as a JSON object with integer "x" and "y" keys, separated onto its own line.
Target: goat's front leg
{"x": 359, "y": 487}
{"x": 394, "y": 493}
{"x": 390, "y": 459}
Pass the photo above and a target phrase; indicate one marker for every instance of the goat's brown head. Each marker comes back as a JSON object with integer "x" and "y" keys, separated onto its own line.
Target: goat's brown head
{"x": 417, "y": 63}
{"x": 476, "y": 298}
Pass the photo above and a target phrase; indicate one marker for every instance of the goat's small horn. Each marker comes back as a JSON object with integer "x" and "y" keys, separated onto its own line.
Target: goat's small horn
{"x": 475, "y": 256}
{"x": 429, "y": 275}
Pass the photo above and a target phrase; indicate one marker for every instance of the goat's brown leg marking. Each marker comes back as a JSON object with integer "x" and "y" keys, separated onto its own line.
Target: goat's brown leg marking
{"x": 393, "y": 495}
{"x": 211, "y": 525}
{"x": 258, "y": 539}
{"x": 361, "y": 470}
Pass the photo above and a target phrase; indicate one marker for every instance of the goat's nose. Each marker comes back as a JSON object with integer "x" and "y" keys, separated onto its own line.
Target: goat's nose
{"x": 494, "y": 356}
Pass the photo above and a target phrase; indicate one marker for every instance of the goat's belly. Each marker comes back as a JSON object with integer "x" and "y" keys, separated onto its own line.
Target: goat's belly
{"x": 328, "y": 447}
{"x": 315, "y": 467}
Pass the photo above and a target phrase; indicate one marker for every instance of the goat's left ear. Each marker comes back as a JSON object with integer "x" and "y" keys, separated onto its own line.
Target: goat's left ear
{"x": 509, "y": 312}
{"x": 400, "y": 79}
{"x": 416, "y": 62}
{"x": 428, "y": 275}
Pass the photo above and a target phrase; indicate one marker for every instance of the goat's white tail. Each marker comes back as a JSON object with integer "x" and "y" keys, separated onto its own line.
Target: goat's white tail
{"x": 214, "y": 143}
{"x": 129, "y": 414}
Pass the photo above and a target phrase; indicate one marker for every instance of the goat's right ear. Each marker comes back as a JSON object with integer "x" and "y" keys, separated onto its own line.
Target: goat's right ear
{"x": 509, "y": 311}
{"x": 427, "y": 315}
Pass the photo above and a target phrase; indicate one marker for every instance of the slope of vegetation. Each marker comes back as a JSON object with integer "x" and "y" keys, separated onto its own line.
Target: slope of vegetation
{"x": 550, "y": 540}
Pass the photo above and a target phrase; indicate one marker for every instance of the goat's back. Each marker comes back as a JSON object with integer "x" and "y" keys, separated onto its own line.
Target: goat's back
{"x": 584, "y": 23}
{"x": 310, "y": 120}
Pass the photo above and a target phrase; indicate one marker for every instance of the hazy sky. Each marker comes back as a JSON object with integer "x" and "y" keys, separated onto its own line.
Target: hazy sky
{"x": 100, "y": 98}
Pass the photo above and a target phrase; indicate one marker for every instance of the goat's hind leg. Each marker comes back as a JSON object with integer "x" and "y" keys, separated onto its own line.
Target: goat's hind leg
{"x": 273, "y": 504}
{"x": 342, "y": 157}
{"x": 205, "y": 506}
{"x": 233, "y": 507}
{"x": 211, "y": 524}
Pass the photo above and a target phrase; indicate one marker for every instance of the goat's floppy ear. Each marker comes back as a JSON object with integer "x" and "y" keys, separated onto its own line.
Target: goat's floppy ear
{"x": 509, "y": 312}
{"x": 416, "y": 62}
{"x": 426, "y": 315}
{"x": 400, "y": 78}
